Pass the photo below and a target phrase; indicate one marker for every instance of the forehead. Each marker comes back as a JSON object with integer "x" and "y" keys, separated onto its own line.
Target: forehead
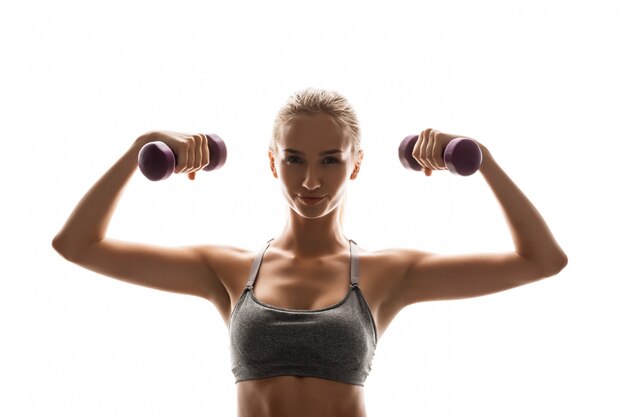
{"x": 314, "y": 132}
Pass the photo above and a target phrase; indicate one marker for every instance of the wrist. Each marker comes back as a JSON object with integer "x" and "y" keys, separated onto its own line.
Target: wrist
{"x": 487, "y": 159}
{"x": 483, "y": 148}
{"x": 142, "y": 140}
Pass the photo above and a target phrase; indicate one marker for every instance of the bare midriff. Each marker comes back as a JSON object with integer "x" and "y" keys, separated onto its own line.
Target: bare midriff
{"x": 288, "y": 396}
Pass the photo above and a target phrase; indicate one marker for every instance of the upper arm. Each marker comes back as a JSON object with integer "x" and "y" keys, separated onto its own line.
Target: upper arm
{"x": 185, "y": 270}
{"x": 430, "y": 277}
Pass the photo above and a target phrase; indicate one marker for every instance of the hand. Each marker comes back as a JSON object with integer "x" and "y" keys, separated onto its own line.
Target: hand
{"x": 428, "y": 150}
{"x": 191, "y": 151}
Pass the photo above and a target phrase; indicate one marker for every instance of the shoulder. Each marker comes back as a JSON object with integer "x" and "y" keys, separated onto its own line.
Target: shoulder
{"x": 231, "y": 264}
{"x": 383, "y": 274}
{"x": 384, "y": 270}
{"x": 224, "y": 258}
{"x": 221, "y": 252}
{"x": 395, "y": 259}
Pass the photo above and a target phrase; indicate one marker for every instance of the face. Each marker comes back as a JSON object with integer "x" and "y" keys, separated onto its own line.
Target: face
{"x": 314, "y": 161}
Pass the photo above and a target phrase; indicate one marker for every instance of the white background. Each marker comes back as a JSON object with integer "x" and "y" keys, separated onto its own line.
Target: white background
{"x": 540, "y": 83}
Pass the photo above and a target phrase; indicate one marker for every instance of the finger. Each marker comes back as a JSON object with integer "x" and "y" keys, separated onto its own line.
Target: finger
{"x": 205, "y": 151}
{"x": 439, "y": 162}
{"x": 191, "y": 155}
{"x": 181, "y": 159}
{"x": 424, "y": 149}
{"x": 198, "y": 152}
{"x": 430, "y": 158}
{"x": 437, "y": 151}
{"x": 417, "y": 147}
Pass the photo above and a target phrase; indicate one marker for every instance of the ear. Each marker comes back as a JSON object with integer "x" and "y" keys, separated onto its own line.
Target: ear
{"x": 272, "y": 163}
{"x": 357, "y": 166}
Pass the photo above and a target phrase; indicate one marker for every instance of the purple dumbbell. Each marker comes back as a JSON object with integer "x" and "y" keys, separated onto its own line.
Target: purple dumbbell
{"x": 157, "y": 161}
{"x": 462, "y": 155}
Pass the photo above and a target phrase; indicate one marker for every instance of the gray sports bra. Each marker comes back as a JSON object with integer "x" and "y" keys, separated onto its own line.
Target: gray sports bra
{"x": 336, "y": 342}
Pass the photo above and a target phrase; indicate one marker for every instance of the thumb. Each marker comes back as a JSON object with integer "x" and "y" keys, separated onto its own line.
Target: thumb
{"x": 192, "y": 175}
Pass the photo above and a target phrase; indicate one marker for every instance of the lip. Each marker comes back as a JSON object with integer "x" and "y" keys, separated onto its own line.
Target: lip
{"x": 310, "y": 200}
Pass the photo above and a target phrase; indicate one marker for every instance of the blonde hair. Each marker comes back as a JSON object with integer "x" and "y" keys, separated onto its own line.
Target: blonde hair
{"x": 313, "y": 100}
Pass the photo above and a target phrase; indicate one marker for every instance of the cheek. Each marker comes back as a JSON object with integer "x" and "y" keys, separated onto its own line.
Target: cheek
{"x": 288, "y": 180}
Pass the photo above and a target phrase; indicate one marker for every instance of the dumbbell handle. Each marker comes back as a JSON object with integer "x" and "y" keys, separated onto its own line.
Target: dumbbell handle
{"x": 462, "y": 156}
{"x": 157, "y": 161}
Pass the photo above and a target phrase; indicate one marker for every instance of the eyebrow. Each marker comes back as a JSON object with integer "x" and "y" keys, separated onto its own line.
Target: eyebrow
{"x": 329, "y": 152}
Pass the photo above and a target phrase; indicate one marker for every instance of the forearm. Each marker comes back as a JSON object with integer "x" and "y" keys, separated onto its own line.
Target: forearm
{"x": 532, "y": 238}
{"x": 89, "y": 221}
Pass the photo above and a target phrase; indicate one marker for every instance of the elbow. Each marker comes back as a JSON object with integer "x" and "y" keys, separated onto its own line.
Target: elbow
{"x": 61, "y": 246}
{"x": 557, "y": 264}
{"x": 541, "y": 267}
{"x": 562, "y": 262}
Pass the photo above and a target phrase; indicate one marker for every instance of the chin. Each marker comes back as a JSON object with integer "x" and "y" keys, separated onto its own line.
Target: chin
{"x": 313, "y": 212}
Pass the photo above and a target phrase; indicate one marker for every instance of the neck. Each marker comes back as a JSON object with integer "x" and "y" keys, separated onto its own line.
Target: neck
{"x": 305, "y": 238}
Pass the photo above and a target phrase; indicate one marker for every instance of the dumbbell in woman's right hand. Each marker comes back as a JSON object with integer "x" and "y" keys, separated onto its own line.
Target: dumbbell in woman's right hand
{"x": 168, "y": 152}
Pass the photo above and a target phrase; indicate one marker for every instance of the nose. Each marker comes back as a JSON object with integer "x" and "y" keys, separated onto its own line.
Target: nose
{"x": 311, "y": 179}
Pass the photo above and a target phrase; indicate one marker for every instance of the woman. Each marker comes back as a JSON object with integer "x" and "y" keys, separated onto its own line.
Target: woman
{"x": 305, "y": 312}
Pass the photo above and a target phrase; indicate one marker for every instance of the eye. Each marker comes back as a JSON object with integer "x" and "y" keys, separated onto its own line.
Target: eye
{"x": 293, "y": 159}
{"x": 330, "y": 160}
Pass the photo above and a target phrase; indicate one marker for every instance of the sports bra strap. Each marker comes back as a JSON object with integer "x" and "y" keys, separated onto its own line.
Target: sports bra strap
{"x": 256, "y": 264}
{"x": 354, "y": 264}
